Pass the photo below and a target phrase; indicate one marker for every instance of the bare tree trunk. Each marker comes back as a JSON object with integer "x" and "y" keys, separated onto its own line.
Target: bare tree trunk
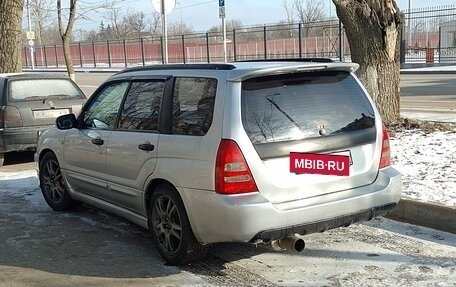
{"x": 68, "y": 58}
{"x": 373, "y": 29}
{"x": 66, "y": 35}
{"x": 10, "y": 35}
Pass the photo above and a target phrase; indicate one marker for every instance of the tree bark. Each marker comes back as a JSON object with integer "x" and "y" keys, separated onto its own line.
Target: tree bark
{"x": 10, "y": 35}
{"x": 373, "y": 29}
{"x": 66, "y": 35}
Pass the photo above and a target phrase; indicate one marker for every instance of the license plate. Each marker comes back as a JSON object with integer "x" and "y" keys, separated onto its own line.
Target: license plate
{"x": 326, "y": 164}
{"x": 45, "y": 114}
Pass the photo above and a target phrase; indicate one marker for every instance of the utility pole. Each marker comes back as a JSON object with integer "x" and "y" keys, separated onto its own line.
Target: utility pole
{"x": 164, "y": 7}
{"x": 30, "y": 37}
{"x": 165, "y": 32}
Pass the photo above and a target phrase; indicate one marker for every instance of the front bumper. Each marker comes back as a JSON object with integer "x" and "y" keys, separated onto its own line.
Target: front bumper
{"x": 251, "y": 218}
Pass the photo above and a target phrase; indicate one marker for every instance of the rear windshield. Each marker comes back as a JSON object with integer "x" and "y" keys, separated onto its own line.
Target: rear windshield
{"x": 43, "y": 89}
{"x": 298, "y": 106}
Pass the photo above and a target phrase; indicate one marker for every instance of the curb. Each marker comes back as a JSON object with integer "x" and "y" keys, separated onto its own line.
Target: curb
{"x": 432, "y": 215}
{"x": 437, "y": 72}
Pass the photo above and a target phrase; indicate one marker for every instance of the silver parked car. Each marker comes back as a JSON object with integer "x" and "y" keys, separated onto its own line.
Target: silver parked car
{"x": 257, "y": 152}
{"x": 30, "y": 102}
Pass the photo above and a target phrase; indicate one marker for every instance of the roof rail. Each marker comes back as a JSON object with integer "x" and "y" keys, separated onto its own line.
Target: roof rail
{"x": 180, "y": 67}
{"x": 315, "y": 60}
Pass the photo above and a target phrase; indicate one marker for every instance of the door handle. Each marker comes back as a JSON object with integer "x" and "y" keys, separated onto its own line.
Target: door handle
{"x": 97, "y": 141}
{"x": 147, "y": 146}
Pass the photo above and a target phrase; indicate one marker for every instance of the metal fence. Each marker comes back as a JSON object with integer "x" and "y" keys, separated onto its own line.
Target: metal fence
{"x": 429, "y": 36}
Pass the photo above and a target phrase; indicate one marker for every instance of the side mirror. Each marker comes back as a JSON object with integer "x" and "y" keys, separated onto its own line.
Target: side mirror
{"x": 66, "y": 122}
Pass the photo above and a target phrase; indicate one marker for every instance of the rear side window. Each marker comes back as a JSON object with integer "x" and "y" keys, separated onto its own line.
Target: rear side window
{"x": 298, "y": 106}
{"x": 142, "y": 106}
{"x": 43, "y": 89}
{"x": 193, "y": 105}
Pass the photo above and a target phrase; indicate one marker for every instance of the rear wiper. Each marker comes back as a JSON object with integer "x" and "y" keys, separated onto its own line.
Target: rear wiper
{"x": 58, "y": 96}
{"x": 34, "y": 98}
{"x": 285, "y": 114}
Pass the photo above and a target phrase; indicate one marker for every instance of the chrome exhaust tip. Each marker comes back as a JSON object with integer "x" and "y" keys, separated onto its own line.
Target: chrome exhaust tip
{"x": 293, "y": 243}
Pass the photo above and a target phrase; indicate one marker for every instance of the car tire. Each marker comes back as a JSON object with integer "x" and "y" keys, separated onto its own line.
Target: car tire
{"x": 53, "y": 185}
{"x": 171, "y": 231}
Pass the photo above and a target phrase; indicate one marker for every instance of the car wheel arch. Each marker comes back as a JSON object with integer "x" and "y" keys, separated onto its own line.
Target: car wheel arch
{"x": 44, "y": 152}
{"x": 151, "y": 187}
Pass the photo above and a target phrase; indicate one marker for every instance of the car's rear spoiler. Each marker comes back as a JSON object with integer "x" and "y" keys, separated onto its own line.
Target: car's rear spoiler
{"x": 238, "y": 75}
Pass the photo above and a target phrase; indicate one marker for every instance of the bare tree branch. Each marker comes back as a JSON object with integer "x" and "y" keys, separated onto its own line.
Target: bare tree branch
{"x": 289, "y": 10}
{"x": 309, "y": 12}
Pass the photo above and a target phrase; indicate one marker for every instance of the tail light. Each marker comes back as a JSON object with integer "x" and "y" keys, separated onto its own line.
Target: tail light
{"x": 232, "y": 174}
{"x": 10, "y": 114}
{"x": 385, "y": 158}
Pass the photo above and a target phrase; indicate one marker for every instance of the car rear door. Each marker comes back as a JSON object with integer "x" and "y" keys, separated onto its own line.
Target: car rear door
{"x": 319, "y": 112}
{"x": 132, "y": 147}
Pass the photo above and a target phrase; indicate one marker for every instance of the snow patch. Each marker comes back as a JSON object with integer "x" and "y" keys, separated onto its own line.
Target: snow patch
{"x": 427, "y": 162}
{"x": 22, "y": 184}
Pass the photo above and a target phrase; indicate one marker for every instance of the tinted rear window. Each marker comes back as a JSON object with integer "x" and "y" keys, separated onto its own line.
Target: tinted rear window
{"x": 298, "y": 106}
{"x": 43, "y": 89}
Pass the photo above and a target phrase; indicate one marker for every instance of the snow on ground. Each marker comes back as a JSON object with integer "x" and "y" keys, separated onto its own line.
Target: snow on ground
{"x": 22, "y": 183}
{"x": 426, "y": 160}
{"x": 441, "y": 116}
{"x": 450, "y": 68}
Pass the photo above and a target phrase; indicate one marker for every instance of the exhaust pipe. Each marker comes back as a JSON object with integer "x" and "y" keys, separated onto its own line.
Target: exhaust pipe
{"x": 291, "y": 243}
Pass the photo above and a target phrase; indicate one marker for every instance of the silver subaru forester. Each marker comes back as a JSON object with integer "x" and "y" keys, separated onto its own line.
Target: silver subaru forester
{"x": 262, "y": 152}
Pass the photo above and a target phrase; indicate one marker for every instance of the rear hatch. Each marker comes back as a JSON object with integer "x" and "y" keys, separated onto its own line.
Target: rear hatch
{"x": 38, "y": 101}
{"x": 319, "y": 112}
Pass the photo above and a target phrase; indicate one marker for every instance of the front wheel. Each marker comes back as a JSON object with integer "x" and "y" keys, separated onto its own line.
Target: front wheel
{"x": 171, "y": 231}
{"x": 52, "y": 184}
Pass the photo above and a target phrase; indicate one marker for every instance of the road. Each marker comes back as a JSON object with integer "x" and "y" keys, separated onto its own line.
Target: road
{"x": 88, "y": 247}
{"x": 429, "y": 96}
{"x": 430, "y": 93}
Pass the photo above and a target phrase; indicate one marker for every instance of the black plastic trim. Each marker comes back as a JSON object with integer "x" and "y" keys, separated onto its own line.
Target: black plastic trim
{"x": 225, "y": 67}
{"x": 313, "y": 60}
{"x": 320, "y": 226}
{"x": 166, "y": 112}
{"x": 317, "y": 144}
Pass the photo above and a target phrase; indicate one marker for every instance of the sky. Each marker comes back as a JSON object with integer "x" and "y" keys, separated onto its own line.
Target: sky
{"x": 203, "y": 14}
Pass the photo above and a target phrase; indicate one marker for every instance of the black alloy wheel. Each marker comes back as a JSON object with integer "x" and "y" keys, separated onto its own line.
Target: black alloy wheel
{"x": 53, "y": 185}
{"x": 171, "y": 231}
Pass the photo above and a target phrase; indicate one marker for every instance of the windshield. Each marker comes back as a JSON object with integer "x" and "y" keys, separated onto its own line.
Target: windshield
{"x": 298, "y": 106}
{"x": 43, "y": 89}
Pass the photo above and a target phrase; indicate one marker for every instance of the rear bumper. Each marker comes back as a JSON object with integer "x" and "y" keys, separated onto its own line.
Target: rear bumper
{"x": 308, "y": 228}
{"x": 251, "y": 218}
{"x": 19, "y": 139}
